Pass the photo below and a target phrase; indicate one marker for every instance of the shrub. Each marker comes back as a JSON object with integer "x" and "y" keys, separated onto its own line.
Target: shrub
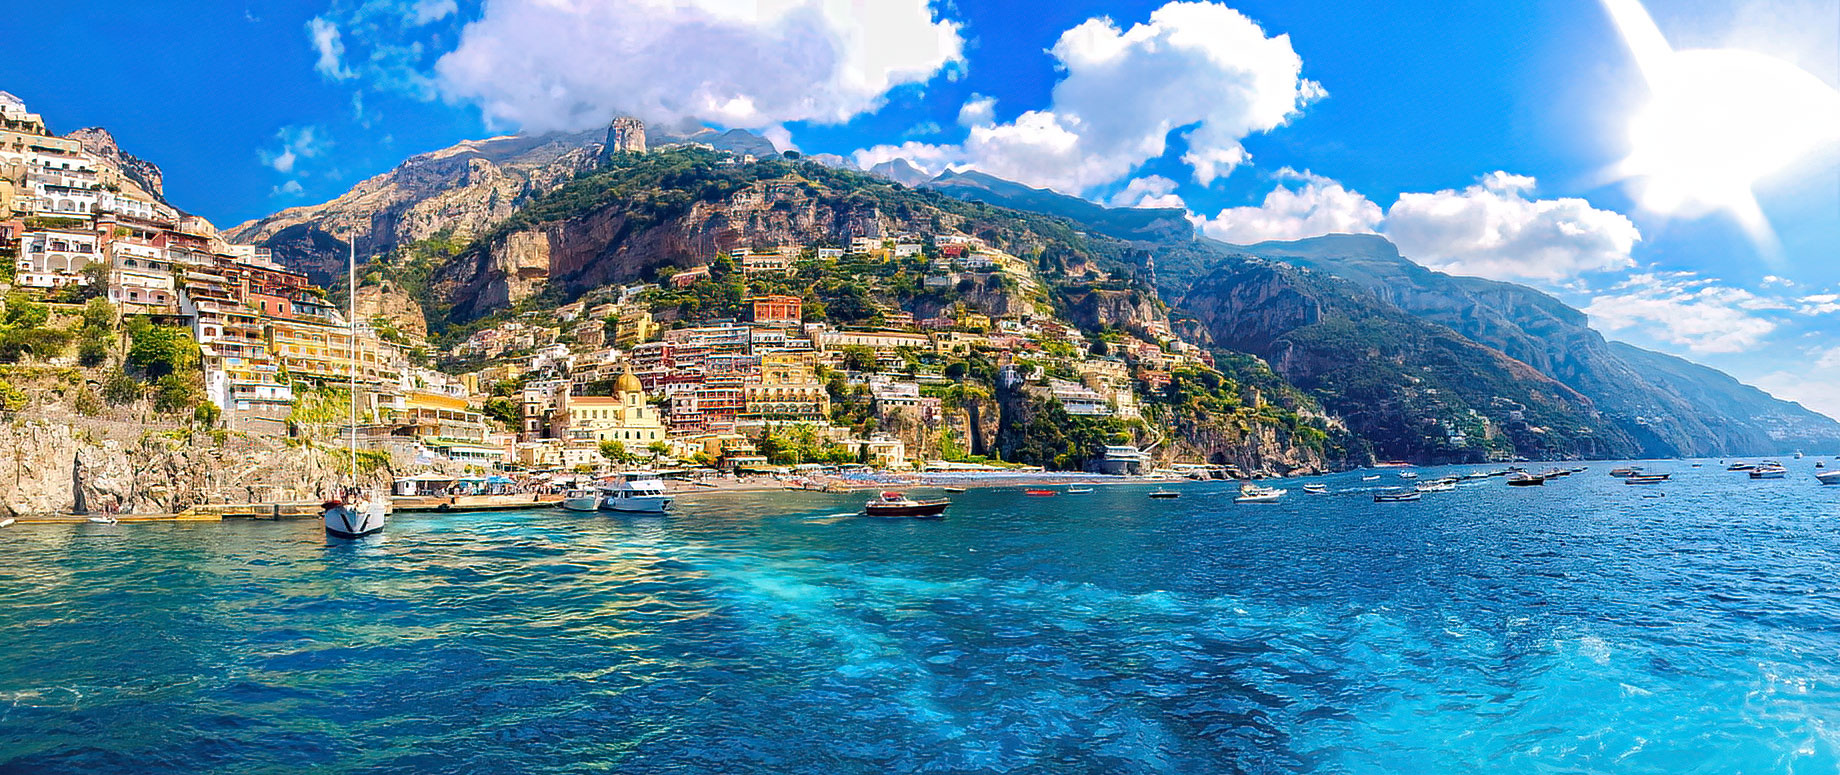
{"x": 121, "y": 389}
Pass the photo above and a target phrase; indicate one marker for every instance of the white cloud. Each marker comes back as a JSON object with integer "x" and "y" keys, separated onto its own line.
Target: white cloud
{"x": 1684, "y": 309}
{"x": 1820, "y": 303}
{"x": 290, "y": 188}
{"x": 330, "y": 47}
{"x": 1149, "y": 191}
{"x": 1320, "y": 206}
{"x": 1816, "y": 386}
{"x": 427, "y": 11}
{"x": 1492, "y": 229}
{"x": 574, "y": 64}
{"x": 780, "y": 137}
{"x": 979, "y": 110}
{"x": 1197, "y": 66}
{"x": 297, "y": 142}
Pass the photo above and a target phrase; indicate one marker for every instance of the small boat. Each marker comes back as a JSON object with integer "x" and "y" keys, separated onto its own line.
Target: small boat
{"x": 8, "y": 522}
{"x": 1316, "y": 489}
{"x": 1828, "y": 477}
{"x": 1440, "y": 485}
{"x": 1769, "y": 472}
{"x": 1370, "y": 478}
{"x": 953, "y": 489}
{"x": 103, "y": 520}
{"x": 639, "y": 492}
{"x": 1626, "y": 471}
{"x": 1408, "y": 474}
{"x": 353, "y": 514}
{"x": 1162, "y": 494}
{"x": 1254, "y": 493}
{"x": 1079, "y": 490}
{"x": 894, "y": 504}
{"x": 1040, "y": 493}
{"x": 1646, "y": 479}
{"x": 1523, "y": 479}
{"x": 1739, "y": 467}
{"x": 580, "y": 500}
{"x": 1396, "y": 497}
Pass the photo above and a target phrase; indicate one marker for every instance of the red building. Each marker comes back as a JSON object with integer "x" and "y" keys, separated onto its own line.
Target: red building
{"x": 777, "y": 310}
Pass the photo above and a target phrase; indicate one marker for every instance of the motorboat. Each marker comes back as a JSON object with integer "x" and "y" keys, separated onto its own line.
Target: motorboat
{"x": 1739, "y": 467}
{"x": 1645, "y": 479}
{"x": 580, "y": 500}
{"x": 1396, "y": 497}
{"x": 1408, "y": 474}
{"x": 1162, "y": 494}
{"x": 638, "y": 492}
{"x": 1037, "y": 493}
{"x": 1316, "y": 489}
{"x": 353, "y": 515}
{"x": 1769, "y": 472}
{"x": 1828, "y": 477}
{"x": 894, "y": 504}
{"x": 1524, "y": 479}
{"x": 1437, "y": 485}
{"x": 1370, "y": 478}
{"x": 953, "y": 489}
{"x": 1255, "y": 493}
{"x": 1626, "y": 471}
{"x": 1078, "y": 490}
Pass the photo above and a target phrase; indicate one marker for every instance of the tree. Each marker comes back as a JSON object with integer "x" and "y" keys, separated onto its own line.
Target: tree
{"x": 158, "y": 350}
{"x": 615, "y": 451}
{"x": 504, "y": 410}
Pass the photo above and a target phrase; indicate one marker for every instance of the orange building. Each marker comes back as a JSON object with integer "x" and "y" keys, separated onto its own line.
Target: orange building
{"x": 777, "y": 310}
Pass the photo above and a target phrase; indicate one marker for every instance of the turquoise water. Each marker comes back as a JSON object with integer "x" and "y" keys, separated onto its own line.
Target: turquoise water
{"x": 1579, "y": 627}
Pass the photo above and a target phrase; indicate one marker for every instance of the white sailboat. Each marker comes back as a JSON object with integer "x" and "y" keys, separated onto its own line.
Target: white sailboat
{"x": 355, "y": 513}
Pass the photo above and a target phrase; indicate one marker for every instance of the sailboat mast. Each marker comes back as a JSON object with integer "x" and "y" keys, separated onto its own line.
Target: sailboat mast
{"x": 351, "y": 313}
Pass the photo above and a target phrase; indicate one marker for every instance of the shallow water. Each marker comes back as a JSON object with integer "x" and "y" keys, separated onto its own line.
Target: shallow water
{"x": 1578, "y": 627}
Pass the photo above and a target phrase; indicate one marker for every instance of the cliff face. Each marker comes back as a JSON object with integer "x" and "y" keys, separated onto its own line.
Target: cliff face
{"x": 464, "y": 190}
{"x": 384, "y": 300}
{"x": 133, "y": 172}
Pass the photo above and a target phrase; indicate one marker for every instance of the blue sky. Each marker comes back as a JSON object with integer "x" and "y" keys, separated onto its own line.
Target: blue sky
{"x": 1485, "y": 138}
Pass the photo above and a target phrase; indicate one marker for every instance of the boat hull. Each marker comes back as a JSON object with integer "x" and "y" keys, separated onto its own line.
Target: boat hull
{"x": 911, "y": 511}
{"x": 346, "y": 521}
{"x": 637, "y": 505}
{"x": 580, "y": 504}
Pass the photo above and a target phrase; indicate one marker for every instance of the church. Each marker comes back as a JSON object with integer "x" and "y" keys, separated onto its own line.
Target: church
{"x": 624, "y": 416}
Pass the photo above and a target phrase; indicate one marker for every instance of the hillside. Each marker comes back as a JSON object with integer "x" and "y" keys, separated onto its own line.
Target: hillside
{"x": 1669, "y": 413}
{"x": 1413, "y": 389}
{"x": 1129, "y": 223}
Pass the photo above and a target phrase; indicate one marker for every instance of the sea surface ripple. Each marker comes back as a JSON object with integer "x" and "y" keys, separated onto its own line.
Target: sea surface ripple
{"x": 1584, "y": 626}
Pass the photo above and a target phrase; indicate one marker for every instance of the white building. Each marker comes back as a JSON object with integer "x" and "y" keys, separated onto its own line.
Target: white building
{"x": 56, "y": 257}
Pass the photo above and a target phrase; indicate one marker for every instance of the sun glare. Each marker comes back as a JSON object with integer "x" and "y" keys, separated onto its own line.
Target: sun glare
{"x": 1717, "y": 122}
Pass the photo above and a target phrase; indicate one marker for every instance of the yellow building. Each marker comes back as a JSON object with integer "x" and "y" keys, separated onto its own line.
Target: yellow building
{"x": 788, "y": 390}
{"x": 632, "y": 326}
{"x": 624, "y": 417}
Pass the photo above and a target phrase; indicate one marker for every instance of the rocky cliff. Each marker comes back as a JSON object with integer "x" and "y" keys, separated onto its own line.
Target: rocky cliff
{"x": 463, "y": 190}
{"x": 137, "y": 176}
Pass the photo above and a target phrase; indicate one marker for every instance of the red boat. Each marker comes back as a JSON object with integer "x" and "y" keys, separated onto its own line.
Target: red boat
{"x": 1040, "y": 492}
{"x": 894, "y": 504}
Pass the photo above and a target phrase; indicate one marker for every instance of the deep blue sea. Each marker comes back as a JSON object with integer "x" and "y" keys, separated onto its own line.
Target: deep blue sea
{"x": 1584, "y": 626}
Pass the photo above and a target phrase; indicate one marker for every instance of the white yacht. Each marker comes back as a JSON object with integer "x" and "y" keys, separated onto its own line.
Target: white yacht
{"x": 1124, "y": 460}
{"x": 639, "y": 492}
{"x": 580, "y": 500}
{"x": 1253, "y": 493}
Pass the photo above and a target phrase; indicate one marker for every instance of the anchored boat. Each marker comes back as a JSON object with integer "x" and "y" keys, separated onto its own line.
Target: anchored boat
{"x": 1396, "y": 497}
{"x": 639, "y": 492}
{"x": 580, "y": 500}
{"x": 354, "y": 514}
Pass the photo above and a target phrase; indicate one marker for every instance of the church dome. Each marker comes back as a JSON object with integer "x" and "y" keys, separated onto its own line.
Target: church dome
{"x": 627, "y": 383}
